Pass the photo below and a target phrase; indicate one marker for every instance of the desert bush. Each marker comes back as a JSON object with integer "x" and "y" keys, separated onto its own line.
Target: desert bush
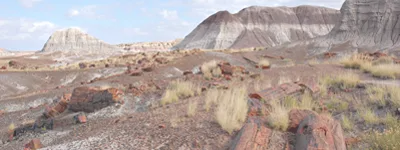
{"x": 178, "y": 89}
{"x": 278, "y": 118}
{"x": 192, "y": 108}
{"x": 342, "y": 81}
{"x": 347, "y": 124}
{"x": 290, "y": 102}
{"x": 368, "y": 116}
{"x": 232, "y": 108}
{"x": 387, "y": 140}
{"x": 216, "y": 72}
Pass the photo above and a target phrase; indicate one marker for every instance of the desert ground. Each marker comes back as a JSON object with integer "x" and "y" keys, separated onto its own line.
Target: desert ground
{"x": 201, "y": 100}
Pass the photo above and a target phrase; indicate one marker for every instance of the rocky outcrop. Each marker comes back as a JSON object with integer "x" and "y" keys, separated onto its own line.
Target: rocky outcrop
{"x": 73, "y": 39}
{"x": 149, "y": 46}
{"x": 260, "y": 27}
{"x": 90, "y": 99}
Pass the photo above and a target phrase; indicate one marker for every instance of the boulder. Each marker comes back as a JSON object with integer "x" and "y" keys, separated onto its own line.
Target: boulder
{"x": 82, "y": 65}
{"x": 33, "y": 145}
{"x": 254, "y": 135}
{"x": 90, "y": 99}
{"x": 3, "y": 68}
{"x": 226, "y": 69}
{"x": 295, "y": 117}
{"x": 319, "y": 132}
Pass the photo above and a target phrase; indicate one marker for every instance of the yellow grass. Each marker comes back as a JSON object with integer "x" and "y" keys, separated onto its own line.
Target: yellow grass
{"x": 347, "y": 124}
{"x": 278, "y": 118}
{"x": 264, "y": 63}
{"x": 377, "y": 94}
{"x": 232, "y": 108}
{"x": 356, "y": 61}
{"x": 385, "y": 71}
{"x": 178, "y": 89}
{"x": 216, "y": 72}
{"x": 394, "y": 95}
{"x": 212, "y": 96}
{"x": 191, "y": 111}
{"x": 387, "y": 140}
{"x": 368, "y": 116}
{"x": 343, "y": 80}
{"x": 390, "y": 120}
{"x": 290, "y": 102}
{"x": 383, "y": 60}
{"x": 207, "y": 67}
{"x": 307, "y": 102}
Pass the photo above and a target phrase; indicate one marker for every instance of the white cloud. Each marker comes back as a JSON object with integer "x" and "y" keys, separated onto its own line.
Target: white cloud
{"x": 169, "y": 14}
{"x": 89, "y": 11}
{"x": 29, "y": 3}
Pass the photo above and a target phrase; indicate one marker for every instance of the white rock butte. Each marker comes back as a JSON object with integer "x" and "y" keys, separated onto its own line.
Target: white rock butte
{"x": 73, "y": 39}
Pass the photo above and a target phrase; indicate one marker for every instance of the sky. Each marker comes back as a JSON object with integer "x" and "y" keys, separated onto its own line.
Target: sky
{"x": 27, "y": 24}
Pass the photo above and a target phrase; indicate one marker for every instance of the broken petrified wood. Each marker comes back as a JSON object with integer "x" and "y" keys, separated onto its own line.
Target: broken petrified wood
{"x": 33, "y": 145}
{"x": 254, "y": 135}
{"x": 90, "y": 99}
{"x": 319, "y": 132}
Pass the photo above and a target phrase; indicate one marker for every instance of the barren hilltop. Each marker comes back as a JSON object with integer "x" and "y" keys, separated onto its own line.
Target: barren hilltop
{"x": 265, "y": 78}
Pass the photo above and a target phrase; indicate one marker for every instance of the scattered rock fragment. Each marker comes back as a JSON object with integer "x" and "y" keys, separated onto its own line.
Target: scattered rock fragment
{"x": 82, "y": 65}
{"x": 80, "y": 118}
{"x": 226, "y": 69}
{"x": 136, "y": 72}
{"x": 33, "y": 145}
{"x": 89, "y": 99}
{"x": 3, "y": 68}
{"x": 147, "y": 68}
{"x": 187, "y": 72}
{"x": 253, "y": 135}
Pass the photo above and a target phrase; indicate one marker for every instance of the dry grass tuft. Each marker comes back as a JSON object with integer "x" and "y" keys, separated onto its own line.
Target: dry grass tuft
{"x": 390, "y": 120}
{"x": 383, "y": 60}
{"x": 394, "y": 95}
{"x": 212, "y": 97}
{"x": 343, "y": 81}
{"x": 264, "y": 63}
{"x": 356, "y": 61}
{"x": 347, "y": 124}
{"x": 278, "y": 118}
{"x": 208, "y": 67}
{"x": 178, "y": 89}
{"x": 377, "y": 95}
{"x": 387, "y": 140}
{"x": 232, "y": 108}
{"x": 307, "y": 102}
{"x": 385, "y": 71}
{"x": 192, "y": 109}
{"x": 368, "y": 116}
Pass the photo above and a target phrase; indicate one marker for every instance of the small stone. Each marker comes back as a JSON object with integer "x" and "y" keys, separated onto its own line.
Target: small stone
{"x": 82, "y": 65}
{"x": 162, "y": 126}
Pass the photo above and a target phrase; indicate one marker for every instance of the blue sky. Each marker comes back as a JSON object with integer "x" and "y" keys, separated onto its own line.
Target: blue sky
{"x": 27, "y": 24}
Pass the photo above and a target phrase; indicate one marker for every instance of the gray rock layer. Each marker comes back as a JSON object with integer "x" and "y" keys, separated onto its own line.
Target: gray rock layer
{"x": 73, "y": 39}
{"x": 368, "y": 23}
{"x": 260, "y": 27}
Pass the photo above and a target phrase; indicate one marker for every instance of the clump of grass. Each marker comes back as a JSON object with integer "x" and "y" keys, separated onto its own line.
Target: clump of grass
{"x": 261, "y": 83}
{"x": 290, "y": 102}
{"x": 191, "y": 111}
{"x": 232, "y": 108}
{"x": 178, "y": 89}
{"x": 394, "y": 95}
{"x": 278, "y": 118}
{"x": 377, "y": 94}
{"x": 368, "y": 116}
{"x": 385, "y": 71}
{"x": 307, "y": 102}
{"x": 387, "y": 140}
{"x": 216, "y": 72}
{"x": 343, "y": 81}
{"x": 208, "y": 67}
{"x": 170, "y": 96}
{"x": 212, "y": 97}
{"x": 390, "y": 120}
{"x": 264, "y": 63}
{"x": 356, "y": 61}
{"x": 383, "y": 60}
{"x": 347, "y": 124}
{"x": 338, "y": 105}
{"x": 313, "y": 61}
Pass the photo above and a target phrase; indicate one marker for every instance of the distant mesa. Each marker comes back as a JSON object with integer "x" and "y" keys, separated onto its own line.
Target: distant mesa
{"x": 73, "y": 39}
{"x": 258, "y": 26}
{"x": 149, "y": 46}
